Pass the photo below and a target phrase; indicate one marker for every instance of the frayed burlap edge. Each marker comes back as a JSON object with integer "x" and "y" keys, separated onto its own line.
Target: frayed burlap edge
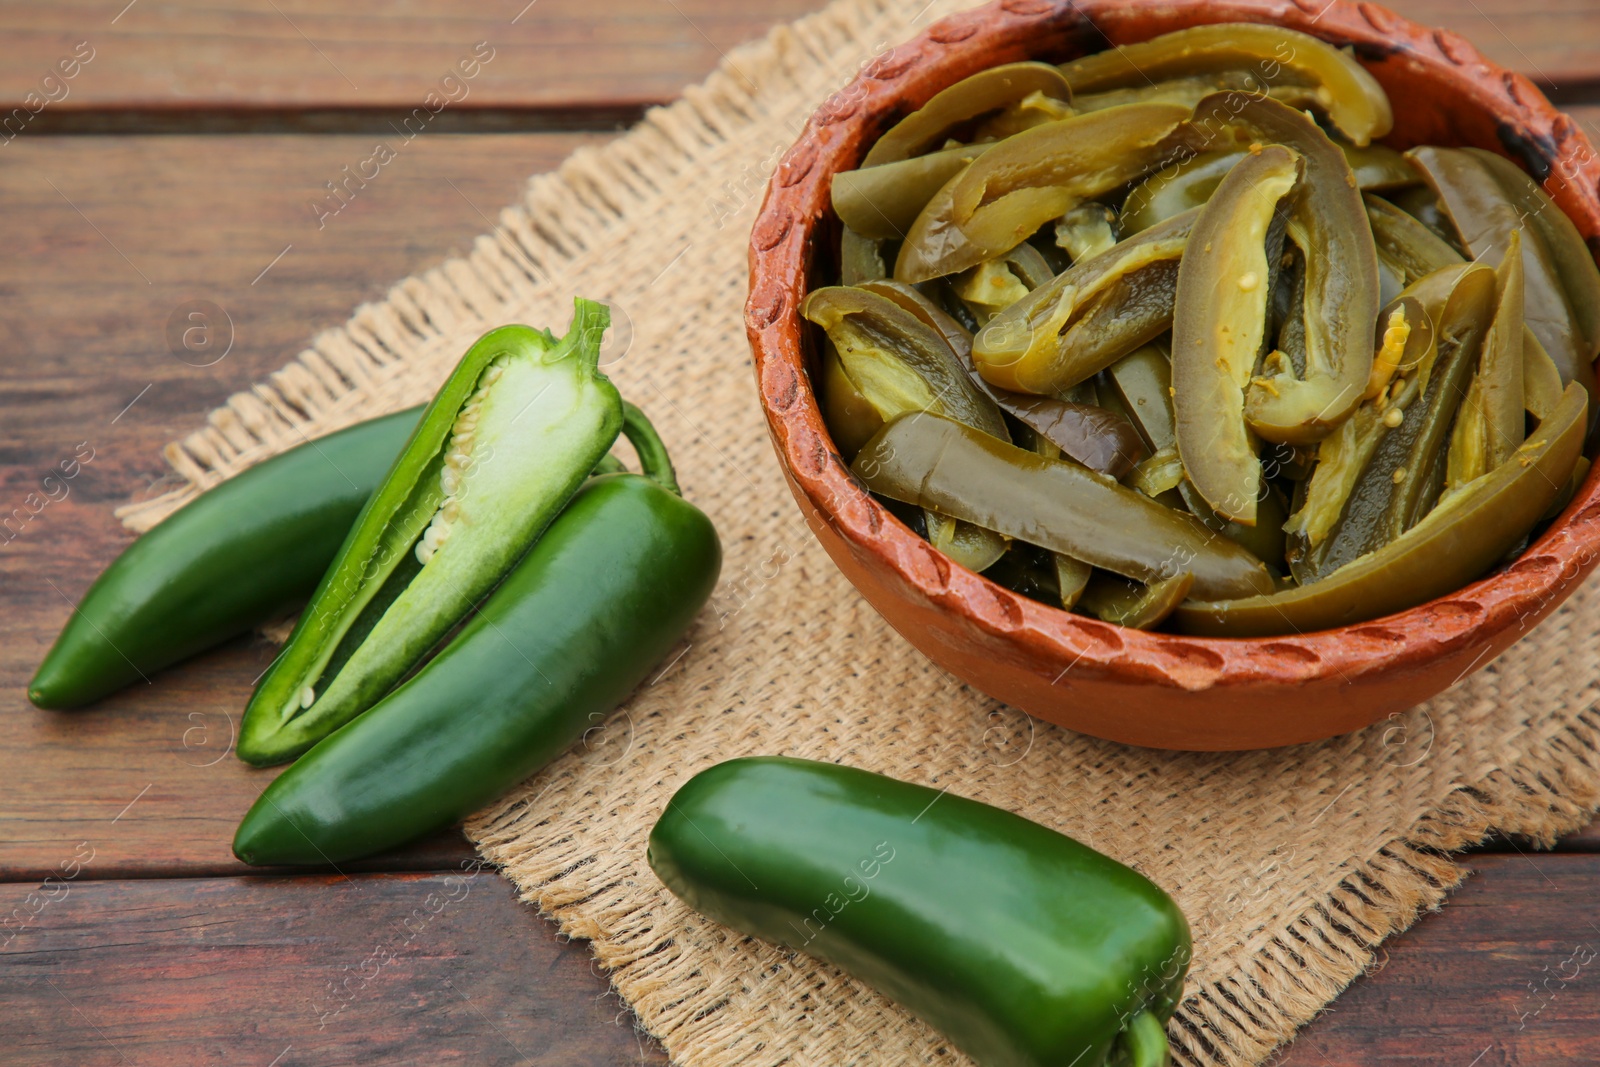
{"x": 1291, "y": 973}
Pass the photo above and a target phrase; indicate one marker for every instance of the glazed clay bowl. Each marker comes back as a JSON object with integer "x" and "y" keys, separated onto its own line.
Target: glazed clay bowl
{"x": 1152, "y": 689}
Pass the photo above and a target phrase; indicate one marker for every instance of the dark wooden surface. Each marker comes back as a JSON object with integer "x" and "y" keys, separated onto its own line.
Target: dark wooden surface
{"x": 128, "y": 934}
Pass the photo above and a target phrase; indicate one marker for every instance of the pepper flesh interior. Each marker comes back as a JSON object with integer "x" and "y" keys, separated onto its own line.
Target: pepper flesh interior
{"x": 1218, "y": 325}
{"x": 511, "y": 436}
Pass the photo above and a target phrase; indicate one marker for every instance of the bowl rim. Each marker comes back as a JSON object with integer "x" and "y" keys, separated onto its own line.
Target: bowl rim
{"x": 797, "y": 204}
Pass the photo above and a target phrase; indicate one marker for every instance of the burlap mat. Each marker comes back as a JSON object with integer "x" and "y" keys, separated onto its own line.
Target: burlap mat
{"x": 1291, "y": 864}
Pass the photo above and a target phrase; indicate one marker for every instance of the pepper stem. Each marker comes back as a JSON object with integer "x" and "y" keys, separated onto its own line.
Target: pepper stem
{"x": 653, "y": 458}
{"x": 1146, "y": 1041}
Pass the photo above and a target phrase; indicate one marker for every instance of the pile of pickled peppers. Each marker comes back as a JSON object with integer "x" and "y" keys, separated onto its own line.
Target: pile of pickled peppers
{"x": 1162, "y": 336}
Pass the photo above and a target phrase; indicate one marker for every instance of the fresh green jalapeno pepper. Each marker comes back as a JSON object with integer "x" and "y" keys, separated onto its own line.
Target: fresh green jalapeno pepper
{"x": 1219, "y": 324}
{"x": 1465, "y": 535}
{"x": 597, "y": 602}
{"x": 1087, "y": 317}
{"x": 883, "y": 202}
{"x": 1056, "y": 504}
{"x": 1352, "y": 99}
{"x": 1024, "y": 947}
{"x": 239, "y": 555}
{"x": 1575, "y": 266}
{"x": 944, "y": 114}
{"x": 1006, "y": 194}
{"x": 511, "y": 435}
{"x": 1329, "y": 222}
{"x": 1484, "y": 215}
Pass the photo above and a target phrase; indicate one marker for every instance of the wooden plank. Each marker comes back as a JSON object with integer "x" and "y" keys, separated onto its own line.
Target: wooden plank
{"x": 176, "y": 971}
{"x": 439, "y": 969}
{"x": 84, "y": 336}
{"x": 1507, "y": 973}
{"x": 369, "y": 54}
{"x": 556, "y": 54}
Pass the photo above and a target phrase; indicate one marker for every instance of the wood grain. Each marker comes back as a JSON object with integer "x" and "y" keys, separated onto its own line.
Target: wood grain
{"x": 558, "y": 55}
{"x": 385, "y": 969}
{"x": 109, "y": 236}
{"x": 237, "y": 969}
{"x": 255, "y": 54}
{"x": 1508, "y": 973}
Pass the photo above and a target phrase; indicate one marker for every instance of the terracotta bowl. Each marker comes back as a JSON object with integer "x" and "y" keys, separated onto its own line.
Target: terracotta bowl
{"x": 1152, "y": 689}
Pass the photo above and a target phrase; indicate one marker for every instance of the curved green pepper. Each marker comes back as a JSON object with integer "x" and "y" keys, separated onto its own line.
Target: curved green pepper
{"x": 1344, "y": 90}
{"x": 239, "y": 555}
{"x": 1093, "y": 436}
{"x": 1575, "y": 265}
{"x": 993, "y": 204}
{"x": 575, "y": 626}
{"x": 1058, "y": 505}
{"x": 1219, "y": 324}
{"x": 883, "y": 202}
{"x": 988, "y": 90}
{"x": 1382, "y": 467}
{"x": 1329, "y": 222}
{"x": 1189, "y": 182}
{"x": 511, "y": 435}
{"x": 1088, "y": 316}
{"x": 1133, "y": 604}
{"x": 860, "y": 258}
{"x": 1413, "y": 249}
{"x": 1189, "y": 91}
{"x": 1485, "y": 214}
{"x": 899, "y": 363}
{"x": 1466, "y": 534}
{"x": 1024, "y": 947}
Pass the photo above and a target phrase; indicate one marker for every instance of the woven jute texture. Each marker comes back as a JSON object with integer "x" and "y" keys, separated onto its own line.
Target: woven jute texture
{"x": 1291, "y": 864}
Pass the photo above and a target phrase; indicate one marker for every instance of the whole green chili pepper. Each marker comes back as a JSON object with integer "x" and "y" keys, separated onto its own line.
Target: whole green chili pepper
{"x": 1350, "y": 96}
{"x": 511, "y": 435}
{"x": 1466, "y": 534}
{"x": 1056, "y": 504}
{"x": 239, "y": 555}
{"x": 1024, "y": 947}
{"x": 580, "y": 621}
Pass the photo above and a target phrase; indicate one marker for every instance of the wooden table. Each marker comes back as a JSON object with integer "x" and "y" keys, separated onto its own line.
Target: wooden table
{"x": 180, "y": 163}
